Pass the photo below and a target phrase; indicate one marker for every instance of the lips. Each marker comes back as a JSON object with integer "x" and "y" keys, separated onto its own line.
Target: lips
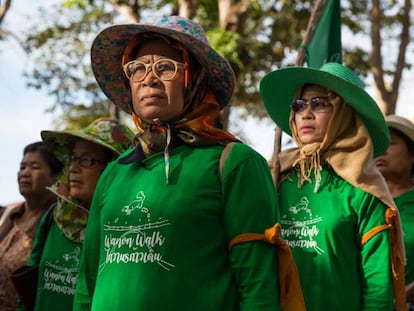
{"x": 24, "y": 182}
{"x": 151, "y": 96}
{"x": 74, "y": 183}
{"x": 380, "y": 162}
{"x": 306, "y": 129}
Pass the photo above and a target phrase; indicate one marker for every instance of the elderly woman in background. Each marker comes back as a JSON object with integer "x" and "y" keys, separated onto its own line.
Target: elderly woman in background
{"x": 59, "y": 238}
{"x": 397, "y": 167}
{"x": 39, "y": 169}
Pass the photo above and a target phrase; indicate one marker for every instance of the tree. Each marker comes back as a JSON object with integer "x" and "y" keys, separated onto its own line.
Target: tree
{"x": 255, "y": 35}
{"x": 387, "y": 94}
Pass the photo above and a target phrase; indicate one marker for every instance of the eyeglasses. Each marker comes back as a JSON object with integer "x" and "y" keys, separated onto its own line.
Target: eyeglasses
{"x": 164, "y": 69}
{"x": 317, "y": 104}
{"x": 83, "y": 161}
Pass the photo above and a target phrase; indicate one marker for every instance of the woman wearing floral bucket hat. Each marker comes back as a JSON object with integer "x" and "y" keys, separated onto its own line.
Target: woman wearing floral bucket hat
{"x": 58, "y": 242}
{"x": 397, "y": 167}
{"x": 162, "y": 216}
{"x": 337, "y": 214}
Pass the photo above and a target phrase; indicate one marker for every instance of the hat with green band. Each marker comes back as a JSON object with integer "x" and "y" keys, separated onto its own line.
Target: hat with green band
{"x": 278, "y": 90}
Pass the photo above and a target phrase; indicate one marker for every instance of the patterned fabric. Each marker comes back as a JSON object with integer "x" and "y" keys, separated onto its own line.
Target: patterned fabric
{"x": 196, "y": 128}
{"x": 70, "y": 216}
{"x": 109, "y": 46}
{"x": 108, "y": 133}
{"x": 14, "y": 252}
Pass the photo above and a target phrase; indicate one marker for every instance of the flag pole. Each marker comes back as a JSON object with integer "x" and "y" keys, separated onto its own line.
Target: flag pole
{"x": 313, "y": 20}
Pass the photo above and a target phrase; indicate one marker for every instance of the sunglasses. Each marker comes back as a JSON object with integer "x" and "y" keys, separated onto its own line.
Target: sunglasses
{"x": 317, "y": 104}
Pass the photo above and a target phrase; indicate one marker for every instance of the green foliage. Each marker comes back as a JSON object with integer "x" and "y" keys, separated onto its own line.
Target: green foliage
{"x": 225, "y": 42}
{"x": 271, "y": 32}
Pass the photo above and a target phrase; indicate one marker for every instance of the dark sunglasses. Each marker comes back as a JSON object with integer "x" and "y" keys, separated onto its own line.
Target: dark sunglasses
{"x": 317, "y": 104}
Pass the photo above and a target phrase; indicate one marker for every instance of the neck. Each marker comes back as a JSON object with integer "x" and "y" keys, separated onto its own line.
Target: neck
{"x": 34, "y": 204}
{"x": 397, "y": 187}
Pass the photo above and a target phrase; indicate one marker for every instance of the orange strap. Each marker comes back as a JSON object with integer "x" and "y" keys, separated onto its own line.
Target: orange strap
{"x": 398, "y": 277}
{"x": 373, "y": 232}
{"x": 291, "y": 297}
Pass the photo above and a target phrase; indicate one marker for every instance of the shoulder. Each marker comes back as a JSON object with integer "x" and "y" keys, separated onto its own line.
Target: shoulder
{"x": 243, "y": 151}
{"x": 241, "y": 155}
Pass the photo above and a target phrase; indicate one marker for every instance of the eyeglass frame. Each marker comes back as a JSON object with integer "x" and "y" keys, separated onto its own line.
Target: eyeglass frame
{"x": 70, "y": 159}
{"x": 151, "y": 65}
{"x": 312, "y": 103}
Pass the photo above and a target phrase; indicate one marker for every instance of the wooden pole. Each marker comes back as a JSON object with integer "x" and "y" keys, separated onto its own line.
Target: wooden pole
{"x": 313, "y": 20}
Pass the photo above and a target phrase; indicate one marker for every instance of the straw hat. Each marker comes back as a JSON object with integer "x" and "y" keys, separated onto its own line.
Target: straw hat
{"x": 401, "y": 124}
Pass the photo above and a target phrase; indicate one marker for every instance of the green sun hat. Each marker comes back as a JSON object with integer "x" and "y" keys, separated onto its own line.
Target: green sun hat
{"x": 105, "y": 132}
{"x": 278, "y": 90}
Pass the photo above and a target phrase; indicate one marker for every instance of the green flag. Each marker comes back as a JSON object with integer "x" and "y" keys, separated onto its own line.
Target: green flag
{"x": 326, "y": 45}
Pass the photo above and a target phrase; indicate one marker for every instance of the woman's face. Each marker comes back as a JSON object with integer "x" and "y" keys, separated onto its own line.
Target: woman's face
{"x": 396, "y": 162}
{"x": 83, "y": 176}
{"x": 34, "y": 176}
{"x": 312, "y": 125}
{"x": 153, "y": 98}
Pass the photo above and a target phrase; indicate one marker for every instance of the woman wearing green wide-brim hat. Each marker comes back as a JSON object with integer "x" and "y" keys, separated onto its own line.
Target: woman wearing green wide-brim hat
{"x": 335, "y": 206}
{"x": 59, "y": 239}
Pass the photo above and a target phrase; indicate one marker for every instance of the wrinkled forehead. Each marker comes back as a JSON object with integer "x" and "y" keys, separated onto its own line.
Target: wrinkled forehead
{"x": 156, "y": 45}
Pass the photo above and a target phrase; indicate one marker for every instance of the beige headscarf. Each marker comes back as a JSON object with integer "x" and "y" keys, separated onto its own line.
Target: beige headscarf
{"x": 348, "y": 149}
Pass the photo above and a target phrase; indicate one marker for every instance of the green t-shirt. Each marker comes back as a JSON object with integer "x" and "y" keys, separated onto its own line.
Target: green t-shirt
{"x": 324, "y": 231}
{"x": 58, "y": 268}
{"x": 155, "y": 246}
{"x": 405, "y": 204}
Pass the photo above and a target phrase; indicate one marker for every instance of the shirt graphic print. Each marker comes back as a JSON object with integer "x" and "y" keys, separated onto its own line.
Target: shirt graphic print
{"x": 136, "y": 238}
{"x": 300, "y": 227}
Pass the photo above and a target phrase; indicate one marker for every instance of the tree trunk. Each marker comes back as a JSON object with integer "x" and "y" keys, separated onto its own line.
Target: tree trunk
{"x": 232, "y": 14}
{"x": 186, "y": 8}
{"x": 387, "y": 94}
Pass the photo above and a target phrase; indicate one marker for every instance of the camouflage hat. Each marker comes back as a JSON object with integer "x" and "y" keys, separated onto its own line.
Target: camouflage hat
{"x": 108, "y": 133}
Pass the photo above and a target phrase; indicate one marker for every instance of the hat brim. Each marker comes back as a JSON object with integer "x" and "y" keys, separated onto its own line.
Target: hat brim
{"x": 278, "y": 90}
{"x": 109, "y": 45}
{"x": 394, "y": 122}
{"x": 62, "y": 141}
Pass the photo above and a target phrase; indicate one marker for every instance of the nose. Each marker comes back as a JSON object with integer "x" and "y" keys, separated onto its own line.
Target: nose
{"x": 23, "y": 171}
{"x": 74, "y": 166}
{"x": 150, "y": 78}
{"x": 307, "y": 113}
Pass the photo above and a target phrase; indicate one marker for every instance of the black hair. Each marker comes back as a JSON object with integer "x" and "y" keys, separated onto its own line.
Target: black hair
{"x": 54, "y": 164}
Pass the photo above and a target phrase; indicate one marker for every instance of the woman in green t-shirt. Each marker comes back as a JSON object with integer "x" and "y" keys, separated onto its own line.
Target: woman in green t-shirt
{"x": 397, "y": 167}
{"x": 163, "y": 216}
{"x": 61, "y": 232}
{"x": 334, "y": 204}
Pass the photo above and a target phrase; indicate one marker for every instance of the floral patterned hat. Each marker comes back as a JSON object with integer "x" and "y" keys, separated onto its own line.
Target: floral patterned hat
{"x": 108, "y": 133}
{"x": 109, "y": 46}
